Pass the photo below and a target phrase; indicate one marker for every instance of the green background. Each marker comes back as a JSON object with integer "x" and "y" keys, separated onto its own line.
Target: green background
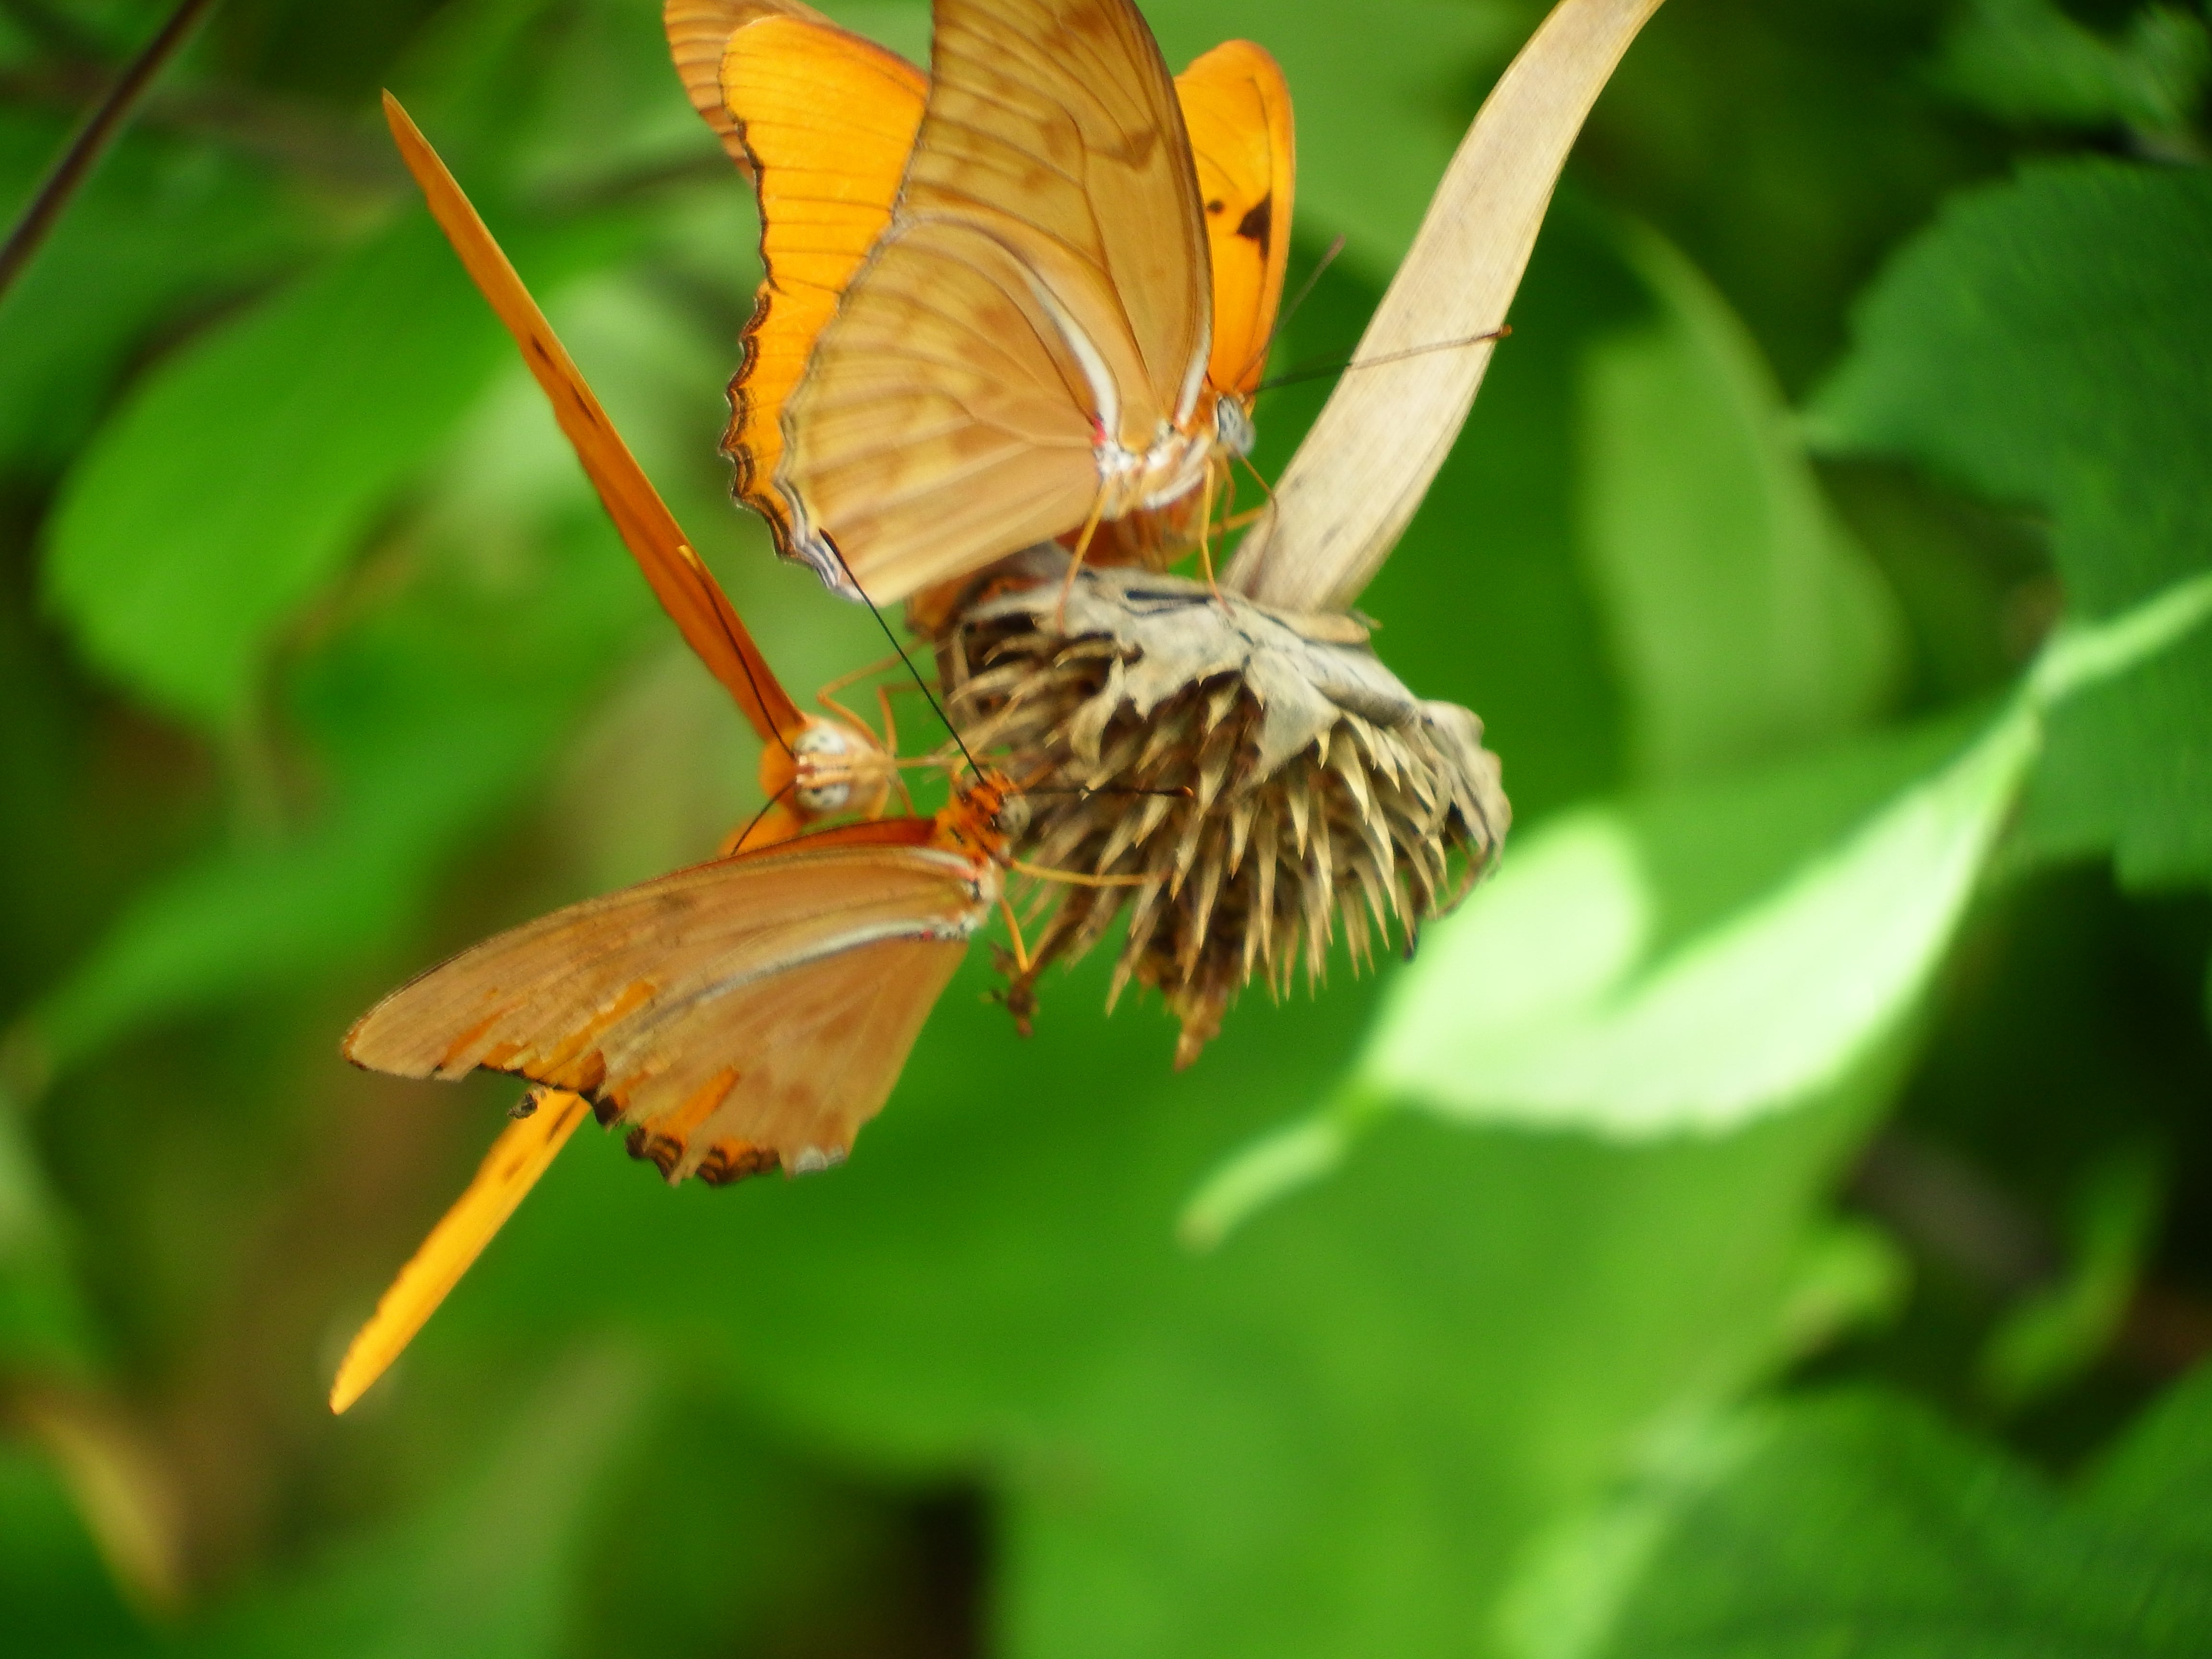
{"x": 1770, "y": 1220}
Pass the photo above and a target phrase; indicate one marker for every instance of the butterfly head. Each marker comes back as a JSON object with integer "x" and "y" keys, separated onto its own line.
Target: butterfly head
{"x": 987, "y": 815}
{"x": 829, "y": 767}
{"x": 1232, "y": 425}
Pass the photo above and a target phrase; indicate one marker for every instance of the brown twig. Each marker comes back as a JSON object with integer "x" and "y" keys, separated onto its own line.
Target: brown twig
{"x": 93, "y": 139}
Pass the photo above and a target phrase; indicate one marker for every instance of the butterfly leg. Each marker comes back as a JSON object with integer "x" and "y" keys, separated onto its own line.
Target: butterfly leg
{"x": 891, "y": 744}
{"x": 827, "y": 696}
{"x": 1075, "y": 561}
{"x": 1020, "y": 994}
{"x": 1259, "y": 478}
{"x": 1206, "y": 532}
{"x": 1074, "y": 877}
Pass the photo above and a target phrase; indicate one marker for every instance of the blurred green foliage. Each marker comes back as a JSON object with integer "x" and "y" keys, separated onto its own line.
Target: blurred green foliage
{"x": 1770, "y": 1218}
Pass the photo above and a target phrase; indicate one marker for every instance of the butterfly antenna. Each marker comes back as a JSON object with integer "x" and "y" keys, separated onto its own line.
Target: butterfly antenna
{"x": 93, "y": 139}
{"x": 1283, "y": 316}
{"x": 899, "y": 651}
{"x": 736, "y": 843}
{"x": 1296, "y": 376}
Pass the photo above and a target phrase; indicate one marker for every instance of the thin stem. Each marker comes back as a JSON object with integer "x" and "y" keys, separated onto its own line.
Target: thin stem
{"x": 93, "y": 139}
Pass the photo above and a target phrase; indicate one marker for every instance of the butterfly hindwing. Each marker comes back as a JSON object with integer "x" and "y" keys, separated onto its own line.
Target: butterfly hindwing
{"x": 699, "y": 33}
{"x": 710, "y": 996}
{"x": 944, "y": 409}
{"x": 1237, "y": 108}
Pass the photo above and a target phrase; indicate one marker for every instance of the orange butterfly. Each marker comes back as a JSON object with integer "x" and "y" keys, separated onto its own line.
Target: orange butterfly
{"x": 743, "y": 1015}
{"x": 1028, "y": 296}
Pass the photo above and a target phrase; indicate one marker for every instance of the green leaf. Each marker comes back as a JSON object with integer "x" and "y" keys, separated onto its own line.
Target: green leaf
{"x": 159, "y": 226}
{"x": 60, "y": 1598}
{"x": 2055, "y": 1336}
{"x": 1861, "y": 1524}
{"x": 1744, "y": 623}
{"x": 488, "y": 1570}
{"x": 2047, "y": 343}
{"x": 240, "y": 474}
{"x": 2156, "y": 1478}
{"x": 1327, "y": 1438}
{"x": 2130, "y": 768}
{"x": 433, "y": 717}
{"x": 46, "y": 1327}
{"x": 2027, "y": 60}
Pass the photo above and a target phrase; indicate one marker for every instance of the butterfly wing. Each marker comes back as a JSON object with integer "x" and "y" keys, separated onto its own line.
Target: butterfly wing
{"x": 742, "y": 1014}
{"x": 944, "y": 421}
{"x": 1043, "y": 290}
{"x": 1237, "y": 108}
{"x": 1059, "y": 116}
{"x": 686, "y": 589}
{"x": 699, "y": 33}
{"x": 524, "y": 1151}
{"x": 826, "y": 121}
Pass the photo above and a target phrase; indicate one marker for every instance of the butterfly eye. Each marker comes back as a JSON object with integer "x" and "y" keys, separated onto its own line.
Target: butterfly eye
{"x": 1012, "y": 816}
{"x": 822, "y": 740}
{"x": 1232, "y": 426}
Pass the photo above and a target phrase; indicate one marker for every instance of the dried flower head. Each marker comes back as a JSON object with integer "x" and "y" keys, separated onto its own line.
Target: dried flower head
{"x": 1257, "y": 774}
{"x": 1250, "y": 780}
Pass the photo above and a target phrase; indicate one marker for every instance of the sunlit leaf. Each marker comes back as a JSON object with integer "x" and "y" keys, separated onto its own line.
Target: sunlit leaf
{"x": 1695, "y": 962}
{"x": 1689, "y": 966}
{"x": 1547, "y": 1001}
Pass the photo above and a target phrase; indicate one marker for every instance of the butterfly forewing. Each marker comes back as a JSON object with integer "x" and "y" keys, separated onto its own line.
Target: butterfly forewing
{"x": 711, "y": 995}
{"x": 1061, "y": 115}
{"x": 509, "y": 1170}
{"x": 827, "y": 121}
{"x": 1116, "y": 202}
{"x": 686, "y": 589}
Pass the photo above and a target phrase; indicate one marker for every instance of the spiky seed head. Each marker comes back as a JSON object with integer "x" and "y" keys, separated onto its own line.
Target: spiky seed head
{"x": 1267, "y": 779}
